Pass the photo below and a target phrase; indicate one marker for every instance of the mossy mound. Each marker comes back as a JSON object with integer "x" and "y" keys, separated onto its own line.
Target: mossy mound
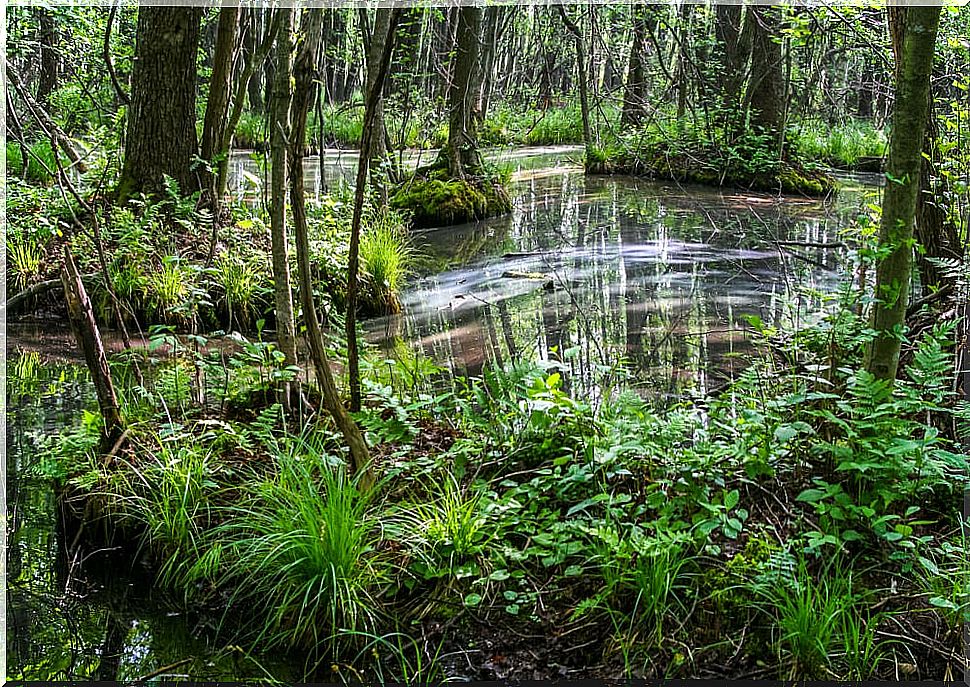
{"x": 435, "y": 201}
{"x": 713, "y": 168}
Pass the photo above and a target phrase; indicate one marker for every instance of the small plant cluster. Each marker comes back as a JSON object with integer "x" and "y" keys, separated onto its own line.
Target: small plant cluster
{"x": 792, "y": 527}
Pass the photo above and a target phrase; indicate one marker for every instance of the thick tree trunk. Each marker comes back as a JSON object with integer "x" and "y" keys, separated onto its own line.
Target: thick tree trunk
{"x": 305, "y": 79}
{"x": 635, "y": 90}
{"x": 893, "y": 271}
{"x": 279, "y": 133}
{"x": 460, "y": 154}
{"x": 766, "y": 89}
{"x": 161, "y": 138}
{"x": 47, "y": 81}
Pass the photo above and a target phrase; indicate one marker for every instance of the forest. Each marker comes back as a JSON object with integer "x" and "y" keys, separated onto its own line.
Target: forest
{"x": 487, "y": 342}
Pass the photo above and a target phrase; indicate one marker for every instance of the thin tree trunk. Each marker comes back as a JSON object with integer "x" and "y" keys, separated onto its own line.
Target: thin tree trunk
{"x": 374, "y": 42}
{"x": 45, "y": 121}
{"x": 581, "y": 65}
{"x": 305, "y": 80}
{"x": 279, "y": 122}
{"x": 938, "y": 237}
{"x": 239, "y": 98}
{"x": 109, "y": 63}
{"x": 217, "y": 107}
{"x": 367, "y": 140}
{"x": 89, "y": 339}
{"x": 893, "y": 272}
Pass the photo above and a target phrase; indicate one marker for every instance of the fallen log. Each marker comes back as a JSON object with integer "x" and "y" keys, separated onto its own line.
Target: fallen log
{"x": 89, "y": 338}
{"x": 15, "y": 302}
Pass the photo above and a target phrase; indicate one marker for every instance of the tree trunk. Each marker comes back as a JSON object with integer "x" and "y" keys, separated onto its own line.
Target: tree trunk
{"x": 47, "y": 81}
{"x": 893, "y": 271}
{"x": 375, "y": 41}
{"x": 581, "y": 65}
{"x": 254, "y": 89}
{"x": 252, "y": 65}
{"x": 460, "y": 154}
{"x": 217, "y": 107}
{"x": 734, "y": 55}
{"x": 634, "y": 93}
{"x": 89, "y": 338}
{"x": 370, "y": 133}
{"x": 305, "y": 80}
{"x": 279, "y": 133}
{"x": 938, "y": 237}
{"x": 161, "y": 138}
{"x": 766, "y": 89}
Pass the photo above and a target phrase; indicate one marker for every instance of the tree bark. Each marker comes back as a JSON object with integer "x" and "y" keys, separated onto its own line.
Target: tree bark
{"x": 893, "y": 271}
{"x": 368, "y": 137}
{"x": 634, "y": 92}
{"x": 460, "y": 155}
{"x": 161, "y": 138}
{"x": 305, "y": 79}
{"x": 48, "y": 54}
{"x": 217, "y": 107}
{"x": 375, "y": 41}
{"x": 89, "y": 339}
{"x": 766, "y": 89}
{"x": 733, "y": 52}
{"x": 581, "y": 65}
{"x": 279, "y": 133}
{"x": 938, "y": 237}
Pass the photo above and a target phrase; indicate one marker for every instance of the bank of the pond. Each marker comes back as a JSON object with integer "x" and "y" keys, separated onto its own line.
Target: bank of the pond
{"x": 623, "y": 540}
{"x": 713, "y": 167}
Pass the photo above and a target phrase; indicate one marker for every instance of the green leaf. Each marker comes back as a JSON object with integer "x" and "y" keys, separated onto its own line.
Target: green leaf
{"x": 731, "y": 499}
{"x": 473, "y": 599}
{"x": 811, "y": 495}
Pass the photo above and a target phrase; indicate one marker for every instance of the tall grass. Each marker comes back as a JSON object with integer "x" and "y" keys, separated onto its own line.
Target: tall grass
{"x": 301, "y": 550}
{"x": 240, "y": 284}
{"x": 38, "y": 153}
{"x": 25, "y": 258}
{"x": 814, "y": 616}
{"x": 842, "y": 144}
{"x": 447, "y": 526}
{"x": 386, "y": 255}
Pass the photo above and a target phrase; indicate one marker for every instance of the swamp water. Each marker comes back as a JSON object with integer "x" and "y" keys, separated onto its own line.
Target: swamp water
{"x": 651, "y": 280}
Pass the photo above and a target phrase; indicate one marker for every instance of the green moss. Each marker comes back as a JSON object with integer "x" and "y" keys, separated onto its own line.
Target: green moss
{"x": 436, "y": 201}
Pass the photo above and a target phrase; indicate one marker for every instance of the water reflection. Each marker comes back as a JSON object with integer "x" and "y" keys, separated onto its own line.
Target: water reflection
{"x": 593, "y": 271}
{"x": 79, "y": 610}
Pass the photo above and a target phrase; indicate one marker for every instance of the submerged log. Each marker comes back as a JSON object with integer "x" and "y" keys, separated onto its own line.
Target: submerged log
{"x": 89, "y": 338}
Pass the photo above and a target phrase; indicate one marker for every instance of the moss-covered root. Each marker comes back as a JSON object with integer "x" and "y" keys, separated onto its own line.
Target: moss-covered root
{"x": 437, "y": 202}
